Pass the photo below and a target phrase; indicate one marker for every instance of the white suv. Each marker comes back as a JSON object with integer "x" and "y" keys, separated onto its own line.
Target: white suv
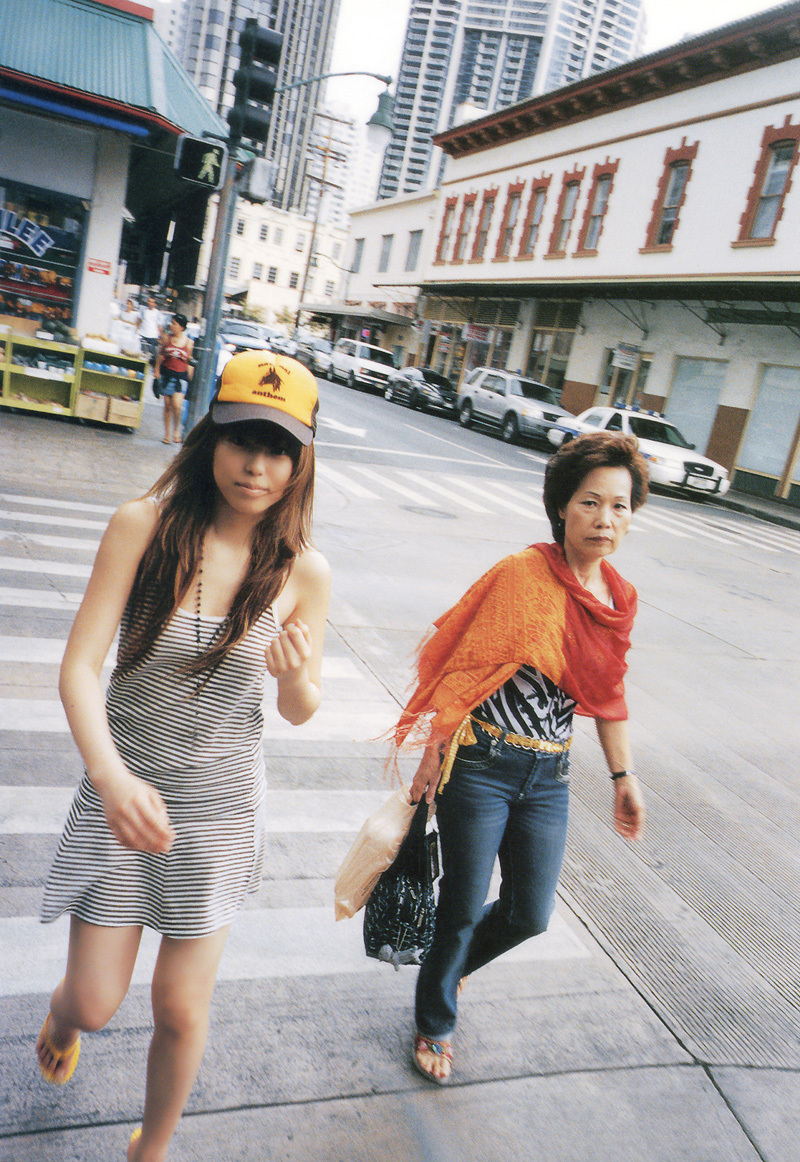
{"x": 519, "y": 406}
{"x": 361, "y": 365}
{"x": 671, "y": 459}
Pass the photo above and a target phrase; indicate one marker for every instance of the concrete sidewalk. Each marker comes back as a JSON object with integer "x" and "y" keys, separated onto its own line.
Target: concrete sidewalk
{"x": 556, "y": 1061}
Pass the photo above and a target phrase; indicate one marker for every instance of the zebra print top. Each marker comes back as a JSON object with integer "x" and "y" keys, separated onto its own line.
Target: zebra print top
{"x": 200, "y": 746}
{"x": 530, "y": 704}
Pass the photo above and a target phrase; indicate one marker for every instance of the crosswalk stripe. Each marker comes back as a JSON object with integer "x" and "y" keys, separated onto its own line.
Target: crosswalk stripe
{"x": 38, "y": 518}
{"x": 640, "y": 518}
{"x": 47, "y": 542}
{"x": 42, "y": 502}
{"x": 529, "y": 513}
{"x": 753, "y": 534}
{"x": 39, "y": 598}
{"x": 417, "y": 497}
{"x": 435, "y": 486}
{"x": 42, "y": 810}
{"x": 263, "y": 943}
{"x": 335, "y": 721}
{"x": 56, "y": 568}
{"x": 345, "y": 482}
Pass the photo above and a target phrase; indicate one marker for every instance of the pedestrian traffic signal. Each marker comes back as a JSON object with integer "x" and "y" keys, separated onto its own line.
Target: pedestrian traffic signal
{"x": 255, "y": 81}
{"x": 201, "y": 161}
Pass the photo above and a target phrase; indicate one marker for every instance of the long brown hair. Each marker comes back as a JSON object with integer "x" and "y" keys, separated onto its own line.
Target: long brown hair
{"x": 187, "y": 496}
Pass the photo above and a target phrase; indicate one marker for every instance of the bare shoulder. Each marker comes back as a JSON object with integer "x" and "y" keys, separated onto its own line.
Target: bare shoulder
{"x": 132, "y": 526}
{"x": 311, "y": 568}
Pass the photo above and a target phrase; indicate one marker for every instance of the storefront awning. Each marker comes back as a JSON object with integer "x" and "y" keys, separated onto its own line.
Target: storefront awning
{"x": 100, "y": 61}
{"x": 783, "y": 289}
{"x": 356, "y": 314}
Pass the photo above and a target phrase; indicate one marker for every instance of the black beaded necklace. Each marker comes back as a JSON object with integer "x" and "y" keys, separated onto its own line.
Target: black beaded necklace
{"x": 197, "y": 614}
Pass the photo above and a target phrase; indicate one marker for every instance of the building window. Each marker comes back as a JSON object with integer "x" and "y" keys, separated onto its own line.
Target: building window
{"x": 447, "y": 227}
{"x": 272, "y": 274}
{"x": 414, "y": 244}
{"x": 464, "y": 224}
{"x": 301, "y": 241}
{"x": 771, "y": 184}
{"x": 358, "y": 254}
{"x": 278, "y": 235}
{"x": 570, "y": 188}
{"x": 670, "y": 196}
{"x": 596, "y": 206}
{"x": 328, "y": 290}
{"x": 484, "y": 222}
{"x": 294, "y": 278}
{"x": 258, "y": 270}
{"x": 509, "y": 223}
{"x": 240, "y": 226}
{"x": 386, "y": 253}
{"x": 533, "y": 219}
{"x": 233, "y": 269}
{"x": 337, "y": 250}
{"x": 263, "y": 234}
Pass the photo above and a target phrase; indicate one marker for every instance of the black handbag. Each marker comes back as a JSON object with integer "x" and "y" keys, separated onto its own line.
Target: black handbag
{"x": 157, "y": 386}
{"x": 400, "y": 915}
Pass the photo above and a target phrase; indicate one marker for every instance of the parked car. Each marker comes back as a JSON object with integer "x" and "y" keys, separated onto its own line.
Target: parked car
{"x": 421, "y": 387}
{"x": 246, "y": 335}
{"x": 519, "y": 407}
{"x": 671, "y": 459}
{"x": 284, "y": 345}
{"x": 361, "y": 364}
{"x": 316, "y": 354}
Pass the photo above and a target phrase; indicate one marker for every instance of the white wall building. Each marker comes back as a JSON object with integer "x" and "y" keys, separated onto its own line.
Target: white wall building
{"x": 636, "y": 237}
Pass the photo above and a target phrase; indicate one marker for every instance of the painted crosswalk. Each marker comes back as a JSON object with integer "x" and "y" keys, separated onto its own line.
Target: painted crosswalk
{"x": 44, "y": 565}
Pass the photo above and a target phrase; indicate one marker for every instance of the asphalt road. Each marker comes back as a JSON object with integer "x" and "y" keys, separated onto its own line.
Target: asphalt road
{"x": 679, "y": 953}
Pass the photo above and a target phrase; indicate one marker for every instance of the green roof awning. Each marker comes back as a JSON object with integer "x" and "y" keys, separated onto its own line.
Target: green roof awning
{"x": 105, "y": 58}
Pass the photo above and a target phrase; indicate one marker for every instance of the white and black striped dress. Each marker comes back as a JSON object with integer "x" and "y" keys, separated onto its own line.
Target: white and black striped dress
{"x": 202, "y": 750}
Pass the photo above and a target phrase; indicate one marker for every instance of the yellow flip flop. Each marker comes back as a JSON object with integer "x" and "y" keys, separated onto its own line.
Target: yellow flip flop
{"x": 63, "y": 1056}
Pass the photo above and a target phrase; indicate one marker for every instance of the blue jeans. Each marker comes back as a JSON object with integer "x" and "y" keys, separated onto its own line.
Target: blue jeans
{"x": 500, "y": 800}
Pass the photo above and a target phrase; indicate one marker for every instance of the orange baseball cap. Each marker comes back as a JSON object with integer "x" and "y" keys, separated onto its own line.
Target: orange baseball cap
{"x": 260, "y": 385}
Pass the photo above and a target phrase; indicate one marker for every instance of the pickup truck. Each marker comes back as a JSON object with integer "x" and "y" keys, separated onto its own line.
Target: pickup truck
{"x": 361, "y": 365}
{"x": 519, "y": 407}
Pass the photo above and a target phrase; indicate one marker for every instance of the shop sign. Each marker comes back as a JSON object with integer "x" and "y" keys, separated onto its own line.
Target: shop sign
{"x": 34, "y": 237}
{"x": 98, "y": 266}
{"x": 626, "y": 356}
{"x": 475, "y": 333}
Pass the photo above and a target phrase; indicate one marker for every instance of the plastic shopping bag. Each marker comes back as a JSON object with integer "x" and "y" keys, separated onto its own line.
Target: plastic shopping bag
{"x": 373, "y": 851}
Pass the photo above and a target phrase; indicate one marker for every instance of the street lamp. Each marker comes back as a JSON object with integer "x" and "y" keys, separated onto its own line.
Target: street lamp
{"x": 379, "y": 124}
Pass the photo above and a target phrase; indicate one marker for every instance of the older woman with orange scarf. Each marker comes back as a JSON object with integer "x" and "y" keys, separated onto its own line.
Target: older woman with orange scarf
{"x": 541, "y": 635}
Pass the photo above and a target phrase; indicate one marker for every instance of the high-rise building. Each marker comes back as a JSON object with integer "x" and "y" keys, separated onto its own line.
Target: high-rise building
{"x": 206, "y": 41}
{"x": 487, "y": 54}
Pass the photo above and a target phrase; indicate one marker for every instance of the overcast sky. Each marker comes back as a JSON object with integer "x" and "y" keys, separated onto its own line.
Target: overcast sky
{"x": 370, "y": 37}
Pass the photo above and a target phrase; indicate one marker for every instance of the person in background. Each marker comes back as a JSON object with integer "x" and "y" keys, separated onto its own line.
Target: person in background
{"x": 174, "y": 369}
{"x": 214, "y": 583}
{"x": 541, "y": 635}
{"x": 150, "y": 328}
{"x": 131, "y": 314}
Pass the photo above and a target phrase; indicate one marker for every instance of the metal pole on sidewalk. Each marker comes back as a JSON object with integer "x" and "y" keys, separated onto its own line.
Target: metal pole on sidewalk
{"x": 205, "y": 346}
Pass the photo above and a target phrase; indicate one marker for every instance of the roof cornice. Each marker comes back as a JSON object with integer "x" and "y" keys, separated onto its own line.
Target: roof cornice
{"x": 767, "y": 38}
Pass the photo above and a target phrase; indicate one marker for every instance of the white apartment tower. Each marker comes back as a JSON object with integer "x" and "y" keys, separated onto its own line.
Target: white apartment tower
{"x": 488, "y": 54}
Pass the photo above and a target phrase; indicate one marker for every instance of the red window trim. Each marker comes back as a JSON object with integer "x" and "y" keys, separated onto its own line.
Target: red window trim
{"x": 573, "y": 178}
{"x": 514, "y": 188}
{"x": 489, "y": 196}
{"x": 771, "y": 137}
{"x": 604, "y": 169}
{"x": 686, "y": 153}
{"x": 540, "y": 185}
{"x": 469, "y": 201}
{"x": 447, "y": 217}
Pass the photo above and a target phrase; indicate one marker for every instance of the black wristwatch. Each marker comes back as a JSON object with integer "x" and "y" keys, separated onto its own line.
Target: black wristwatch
{"x": 619, "y": 774}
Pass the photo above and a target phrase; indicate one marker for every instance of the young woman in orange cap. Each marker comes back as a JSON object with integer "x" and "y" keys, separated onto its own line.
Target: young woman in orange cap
{"x": 212, "y": 578}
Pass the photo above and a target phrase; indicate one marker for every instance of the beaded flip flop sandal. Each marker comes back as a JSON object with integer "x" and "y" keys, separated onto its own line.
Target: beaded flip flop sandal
{"x": 68, "y": 1057}
{"x": 439, "y": 1049}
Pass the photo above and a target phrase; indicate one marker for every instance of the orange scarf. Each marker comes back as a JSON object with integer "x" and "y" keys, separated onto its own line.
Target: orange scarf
{"x": 529, "y": 609}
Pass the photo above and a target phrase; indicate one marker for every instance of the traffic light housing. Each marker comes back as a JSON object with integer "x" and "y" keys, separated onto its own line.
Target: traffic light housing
{"x": 255, "y": 81}
{"x": 201, "y": 161}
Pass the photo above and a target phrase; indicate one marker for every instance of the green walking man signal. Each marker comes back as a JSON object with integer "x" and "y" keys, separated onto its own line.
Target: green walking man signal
{"x": 201, "y": 161}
